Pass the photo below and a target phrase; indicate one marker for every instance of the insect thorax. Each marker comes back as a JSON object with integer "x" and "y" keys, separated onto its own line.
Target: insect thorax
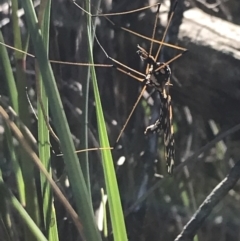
{"x": 158, "y": 73}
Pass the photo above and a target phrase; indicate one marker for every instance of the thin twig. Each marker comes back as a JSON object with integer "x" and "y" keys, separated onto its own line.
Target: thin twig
{"x": 218, "y": 193}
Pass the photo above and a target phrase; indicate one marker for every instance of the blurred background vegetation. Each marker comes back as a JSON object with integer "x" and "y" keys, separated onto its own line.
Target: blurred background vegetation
{"x": 205, "y": 98}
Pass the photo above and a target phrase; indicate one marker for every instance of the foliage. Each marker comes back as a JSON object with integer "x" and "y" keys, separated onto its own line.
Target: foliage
{"x": 155, "y": 206}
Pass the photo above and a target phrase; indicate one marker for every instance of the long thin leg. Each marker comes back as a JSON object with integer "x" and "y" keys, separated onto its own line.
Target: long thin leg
{"x": 117, "y": 62}
{"x": 154, "y": 28}
{"x": 170, "y": 61}
{"x": 153, "y": 36}
{"x": 130, "y": 74}
{"x": 113, "y": 14}
{"x": 165, "y": 32}
{"x": 91, "y": 149}
{"x": 125, "y": 66}
{"x": 56, "y": 61}
{"x": 126, "y": 12}
{"x": 130, "y": 115}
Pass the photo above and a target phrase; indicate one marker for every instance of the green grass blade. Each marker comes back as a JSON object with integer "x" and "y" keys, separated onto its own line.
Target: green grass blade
{"x": 8, "y": 74}
{"x": 50, "y": 221}
{"x": 13, "y": 94}
{"x": 116, "y": 212}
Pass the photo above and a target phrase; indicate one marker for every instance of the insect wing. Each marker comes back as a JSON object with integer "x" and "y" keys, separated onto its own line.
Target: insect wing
{"x": 168, "y": 133}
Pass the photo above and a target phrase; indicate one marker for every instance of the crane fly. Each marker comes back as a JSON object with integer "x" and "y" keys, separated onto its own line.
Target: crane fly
{"x": 157, "y": 75}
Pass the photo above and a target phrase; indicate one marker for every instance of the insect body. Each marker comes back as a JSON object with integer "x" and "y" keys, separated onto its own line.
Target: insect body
{"x": 158, "y": 76}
